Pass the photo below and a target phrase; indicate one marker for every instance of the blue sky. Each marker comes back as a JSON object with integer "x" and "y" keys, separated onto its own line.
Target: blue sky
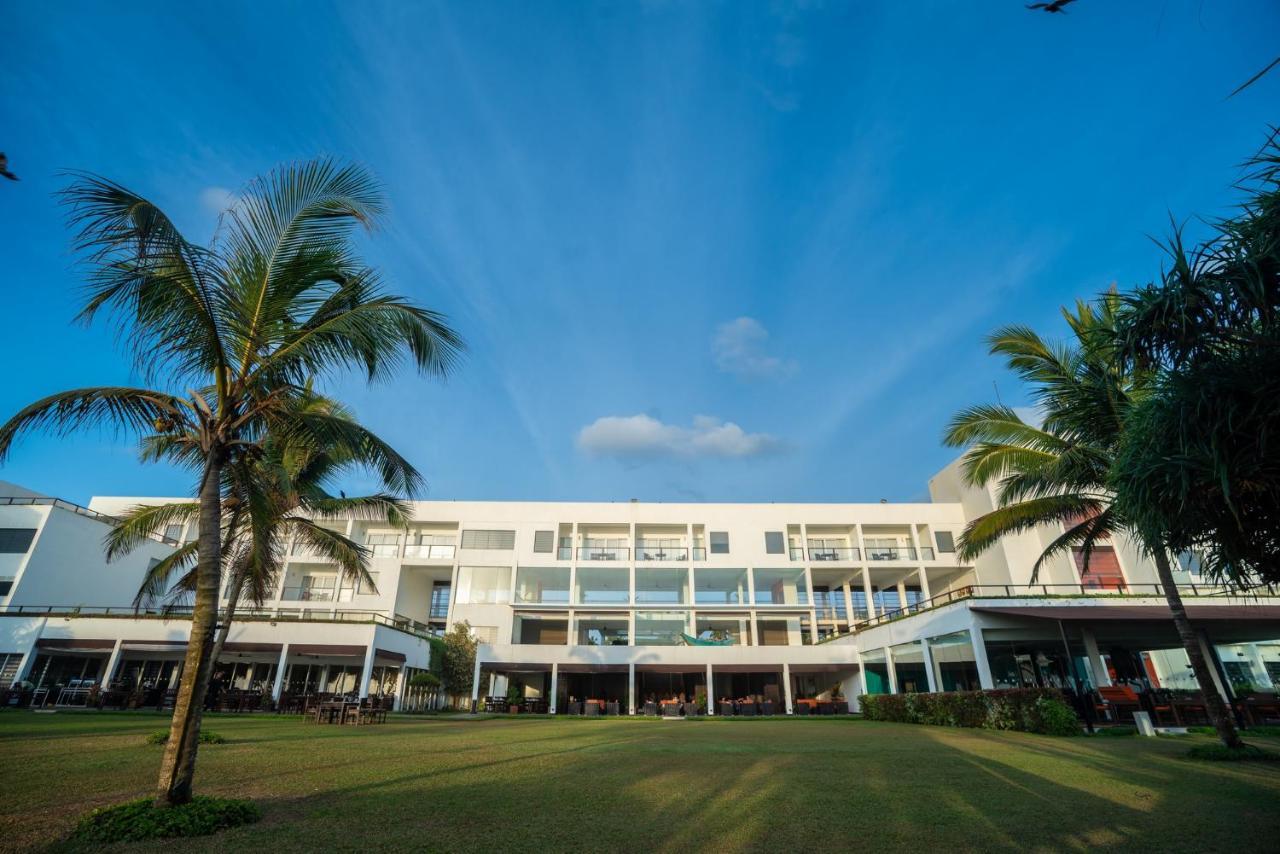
{"x": 700, "y": 251}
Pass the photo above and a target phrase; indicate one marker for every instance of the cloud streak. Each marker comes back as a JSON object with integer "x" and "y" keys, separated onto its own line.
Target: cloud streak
{"x": 638, "y": 437}
{"x": 741, "y": 348}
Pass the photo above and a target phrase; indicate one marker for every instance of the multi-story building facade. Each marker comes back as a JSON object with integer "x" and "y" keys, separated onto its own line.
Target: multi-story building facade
{"x": 634, "y": 601}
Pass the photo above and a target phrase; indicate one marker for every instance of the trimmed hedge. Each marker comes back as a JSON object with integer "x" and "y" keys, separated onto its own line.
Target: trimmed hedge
{"x": 1040, "y": 710}
{"x": 141, "y": 819}
{"x": 161, "y": 736}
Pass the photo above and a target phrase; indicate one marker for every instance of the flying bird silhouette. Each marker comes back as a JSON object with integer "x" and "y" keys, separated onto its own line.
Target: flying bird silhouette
{"x": 1055, "y": 6}
{"x": 4, "y": 168}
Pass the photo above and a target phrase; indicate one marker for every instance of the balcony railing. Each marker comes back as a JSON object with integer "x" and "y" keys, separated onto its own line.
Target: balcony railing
{"x": 899, "y": 553}
{"x": 45, "y": 501}
{"x": 699, "y": 552}
{"x": 603, "y": 553}
{"x": 663, "y": 553}
{"x": 309, "y": 594}
{"x": 435, "y": 552}
{"x": 833, "y": 553}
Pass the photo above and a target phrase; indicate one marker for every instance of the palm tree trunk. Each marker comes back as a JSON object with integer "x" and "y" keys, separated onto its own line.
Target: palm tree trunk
{"x": 178, "y": 766}
{"x": 1217, "y": 710}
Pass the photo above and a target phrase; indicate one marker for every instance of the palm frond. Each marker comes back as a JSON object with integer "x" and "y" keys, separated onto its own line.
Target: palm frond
{"x": 985, "y": 531}
{"x": 131, "y": 409}
{"x": 158, "y": 582}
{"x": 136, "y": 525}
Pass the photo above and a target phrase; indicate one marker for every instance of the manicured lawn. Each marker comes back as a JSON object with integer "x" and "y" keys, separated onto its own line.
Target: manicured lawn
{"x": 649, "y": 785}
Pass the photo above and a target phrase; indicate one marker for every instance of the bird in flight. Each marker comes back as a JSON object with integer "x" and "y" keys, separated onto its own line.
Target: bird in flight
{"x": 4, "y": 168}
{"x": 1055, "y": 6}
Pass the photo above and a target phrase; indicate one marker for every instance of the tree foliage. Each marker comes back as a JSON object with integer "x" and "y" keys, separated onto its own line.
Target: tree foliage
{"x": 459, "y": 659}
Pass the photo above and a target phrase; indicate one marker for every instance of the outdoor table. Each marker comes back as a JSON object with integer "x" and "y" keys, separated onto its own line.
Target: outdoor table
{"x": 334, "y": 711}
{"x": 650, "y": 708}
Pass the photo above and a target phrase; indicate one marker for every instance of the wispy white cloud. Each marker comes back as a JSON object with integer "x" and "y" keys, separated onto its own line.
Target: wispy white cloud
{"x": 215, "y": 200}
{"x": 642, "y": 436}
{"x": 740, "y": 348}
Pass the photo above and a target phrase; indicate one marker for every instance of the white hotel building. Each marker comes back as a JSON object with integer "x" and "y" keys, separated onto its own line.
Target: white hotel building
{"x": 619, "y": 601}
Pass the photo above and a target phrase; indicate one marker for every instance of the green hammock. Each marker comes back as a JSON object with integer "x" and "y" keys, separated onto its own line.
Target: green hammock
{"x": 690, "y": 640}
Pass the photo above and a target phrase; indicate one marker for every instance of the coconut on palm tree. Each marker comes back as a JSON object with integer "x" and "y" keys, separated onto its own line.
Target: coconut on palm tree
{"x": 272, "y": 496}
{"x": 227, "y": 338}
{"x": 1056, "y": 474}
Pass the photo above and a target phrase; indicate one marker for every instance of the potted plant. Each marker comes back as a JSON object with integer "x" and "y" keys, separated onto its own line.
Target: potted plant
{"x": 515, "y": 693}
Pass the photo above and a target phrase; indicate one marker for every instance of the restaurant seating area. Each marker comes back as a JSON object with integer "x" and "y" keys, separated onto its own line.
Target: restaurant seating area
{"x": 349, "y": 710}
{"x": 1117, "y": 704}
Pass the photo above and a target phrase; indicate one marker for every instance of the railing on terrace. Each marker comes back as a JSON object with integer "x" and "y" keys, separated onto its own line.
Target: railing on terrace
{"x": 183, "y": 612}
{"x": 834, "y": 553}
{"x": 437, "y": 552}
{"x": 1018, "y": 591}
{"x": 899, "y": 553}
{"x": 40, "y": 501}
{"x": 603, "y": 553}
{"x": 662, "y": 553}
{"x": 309, "y": 594}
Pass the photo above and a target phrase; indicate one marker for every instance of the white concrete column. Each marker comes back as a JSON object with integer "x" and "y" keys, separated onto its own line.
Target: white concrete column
{"x": 631, "y": 688}
{"x": 278, "y": 686}
{"x": 112, "y": 661}
{"x": 930, "y": 677}
{"x": 862, "y": 674}
{"x": 980, "y": 657}
{"x": 453, "y": 590}
{"x": 924, "y": 584}
{"x": 402, "y": 684}
{"x": 893, "y": 673}
{"x": 367, "y": 672}
{"x": 1097, "y": 666}
{"x": 755, "y": 640}
{"x": 866, "y": 589}
{"x": 786, "y": 685}
{"x": 475, "y": 684}
{"x": 902, "y": 592}
{"x": 555, "y": 684}
{"x": 1258, "y": 665}
{"x": 848, "y": 605}
{"x": 711, "y": 696}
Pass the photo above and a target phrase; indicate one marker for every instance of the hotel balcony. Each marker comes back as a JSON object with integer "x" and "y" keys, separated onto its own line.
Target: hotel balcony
{"x": 670, "y": 553}
{"x": 603, "y": 553}
{"x": 833, "y": 553}
{"x": 309, "y": 594}
{"x": 430, "y": 552}
{"x": 899, "y": 553}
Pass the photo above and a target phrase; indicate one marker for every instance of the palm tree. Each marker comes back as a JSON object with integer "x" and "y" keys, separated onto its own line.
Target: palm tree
{"x": 271, "y": 496}
{"x": 1056, "y": 474}
{"x": 227, "y": 337}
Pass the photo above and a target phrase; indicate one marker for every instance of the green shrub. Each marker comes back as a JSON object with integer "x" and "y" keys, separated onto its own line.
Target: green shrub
{"x": 161, "y": 736}
{"x": 141, "y": 819}
{"x": 1116, "y": 730}
{"x": 1218, "y": 752}
{"x": 1022, "y": 709}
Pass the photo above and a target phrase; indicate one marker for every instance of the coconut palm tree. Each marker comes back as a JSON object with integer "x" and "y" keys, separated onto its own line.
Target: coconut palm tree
{"x": 1056, "y": 474}
{"x": 226, "y": 338}
{"x": 278, "y": 494}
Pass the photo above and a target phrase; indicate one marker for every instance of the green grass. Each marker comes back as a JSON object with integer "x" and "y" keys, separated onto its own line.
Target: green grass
{"x": 451, "y": 784}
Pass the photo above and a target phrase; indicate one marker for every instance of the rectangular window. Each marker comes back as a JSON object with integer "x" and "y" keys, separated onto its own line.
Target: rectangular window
{"x": 601, "y": 629}
{"x": 16, "y": 541}
{"x": 6, "y": 585}
{"x": 1103, "y": 570}
{"x": 946, "y": 542}
{"x": 485, "y": 634}
{"x": 720, "y": 586}
{"x": 477, "y": 539}
{"x": 719, "y": 542}
{"x": 173, "y": 532}
{"x": 660, "y": 628}
{"x": 601, "y": 585}
{"x": 370, "y": 587}
{"x": 383, "y": 545}
{"x": 774, "y": 543}
{"x": 484, "y": 585}
{"x": 540, "y": 631}
{"x": 781, "y": 587}
{"x": 542, "y": 585}
{"x": 440, "y": 591}
{"x": 662, "y": 586}
{"x": 544, "y": 541}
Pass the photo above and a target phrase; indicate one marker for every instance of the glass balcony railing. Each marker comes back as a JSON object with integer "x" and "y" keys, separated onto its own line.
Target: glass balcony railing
{"x": 424, "y": 550}
{"x": 833, "y": 553}
{"x": 308, "y": 594}
{"x": 679, "y": 553}
{"x": 603, "y": 553}
{"x": 899, "y": 553}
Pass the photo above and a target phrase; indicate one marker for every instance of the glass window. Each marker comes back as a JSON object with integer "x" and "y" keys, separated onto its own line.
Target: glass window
{"x": 876, "y": 669}
{"x": 484, "y": 585}
{"x": 383, "y": 545}
{"x": 543, "y": 585}
{"x": 601, "y": 629}
{"x": 540, "y": 631}
{"x": 719, "y": 542}
{"x": 603, "y": 585}
{"x": 955, "y": 668}
{"x": 779, "y": 631}
{"x": 781, "y": 587}
{"x": 946, "y": 542}
{"x": 370, "y": 587}
{"x": 774, "y": 543}
{"x": 173, "y": 532}
{"x": 440, "y": 591}
{"x": 660, "y": 628}
{"x": 720, "y": 586}
{"x": 662, "y": 586}
{"x": 908, "y": 668}
{"x": 16, "y": 541}
{"x": 735, "y": 628}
